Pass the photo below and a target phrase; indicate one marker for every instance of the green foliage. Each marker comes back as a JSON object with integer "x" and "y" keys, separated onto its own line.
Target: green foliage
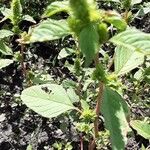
{"x": 5, "y": 33}
{"x": 56, "y": 7}
{"x": 65, "y": 52}
{"x": 76, "y": 25}
{"x": 99, "y": 74}
{"x": 84, "y": 10}
{"x": 77, "y": 66}
{"x": 49, "y": 100}
{"x": 114, "y": 108}
{"x": 89, "y": 42}
{"x": 117, "y": 22}
{"x": 126, "y": 3}
{"x": 88, "y": 115}
{"x": 49, "y": 30}
{"x": 62, "y": 145}
{"x": 29, "y": 147}
{"x": 103, "y": 33}
{"x": 4, "y": 49}
{"x": 84, "y": 127}
{"x": 16, "y": 9}
{"x": 142, "y": 128}
{"x": 5, "y": 62}
{"x": 132, "y": 46}
{"x": 103, "y": 140}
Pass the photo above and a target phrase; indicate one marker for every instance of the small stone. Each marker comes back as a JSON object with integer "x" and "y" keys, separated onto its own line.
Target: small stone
{"x": 2, "y": 117}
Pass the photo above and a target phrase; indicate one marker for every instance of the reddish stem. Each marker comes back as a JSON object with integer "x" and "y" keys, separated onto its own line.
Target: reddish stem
{"x": 97, "y": 109}
{"x": 81, "y": 143}
{"x": 22, "y": 60}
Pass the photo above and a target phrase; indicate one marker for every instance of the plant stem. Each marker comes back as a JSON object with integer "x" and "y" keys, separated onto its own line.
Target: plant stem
{"x": 81, "y": 143}
{"x": 22, "y": 60}
{"x": 97, "y": 109}
{"x": 126, "y": 16}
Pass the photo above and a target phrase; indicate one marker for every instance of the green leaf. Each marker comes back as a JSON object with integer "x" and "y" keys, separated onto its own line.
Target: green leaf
{"x": 132, "y": 46}
{"x": 28, "y": 18}
{"x": 118, "y": 22}
{"x": 84, "y": 104}
{"x": 65, "y": 52}
{"x": 56, "y": 7}
{"x": 114, "y": 109}
{"x": 72, "y": 95}
{"x": 5, "y": 62}
{"x": 4, "y": 49}
{"x": 48, "y": 100}
{"x": 5, "y": 33}
{"x": 143, "y": 148}
{"x": 127, "y": 59}
{"x": 133, "y": 39}
{"x": 89, "y": 42}
{"x": 49, "y": 30}
{"x": 142, "y": 128}
{"x": 29, "y": 147}
{"x": 7, "y": 13}
{"x": 133, "y": 2}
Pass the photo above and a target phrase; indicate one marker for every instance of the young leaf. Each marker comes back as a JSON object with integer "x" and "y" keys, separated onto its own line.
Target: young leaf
{"x": 141, "y": 127}
{"x": 89, "y": 42}
{"x": 114, "y": 109}
{"x": 4, "y": 49}
{"x": 49, "y": 30}
{"x": 48, "y": 100}
{"x": 65, "y": 52}
{"x": 56, "y": 7}
{"x": 28, "y": 18}
{"x": 118, "y": 22}
{"x": 5, "y": 33}
{"x": 5, "y": 62}
{"x": 132, "y": 46}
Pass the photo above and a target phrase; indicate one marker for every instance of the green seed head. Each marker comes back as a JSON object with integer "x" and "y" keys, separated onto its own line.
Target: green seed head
{"x": 16, "y": 9}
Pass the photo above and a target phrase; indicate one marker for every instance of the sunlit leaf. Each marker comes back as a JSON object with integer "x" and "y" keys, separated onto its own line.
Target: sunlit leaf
{"x": 132, "y": 46}
{"x": 56, "y": 7}
{"x": 126, "y": 60}
{"x": 7, "y": 13}
{"x": 133, "y": 2}
{"x": 5, "y": 33}
{"x": 141, "y": 127}
{"x": 5, "y": 62}
{"x": 4, "y": 49}
{"x": 28, "y": 18}
{"x": 49, "y": 30}
{"x": 114, "y": 110}
{"x": 65, "y": 52}
{"x": 48, "y": 100}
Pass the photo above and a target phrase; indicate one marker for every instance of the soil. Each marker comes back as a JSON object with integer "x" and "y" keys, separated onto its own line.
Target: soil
{"x": 20, "y": 126}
